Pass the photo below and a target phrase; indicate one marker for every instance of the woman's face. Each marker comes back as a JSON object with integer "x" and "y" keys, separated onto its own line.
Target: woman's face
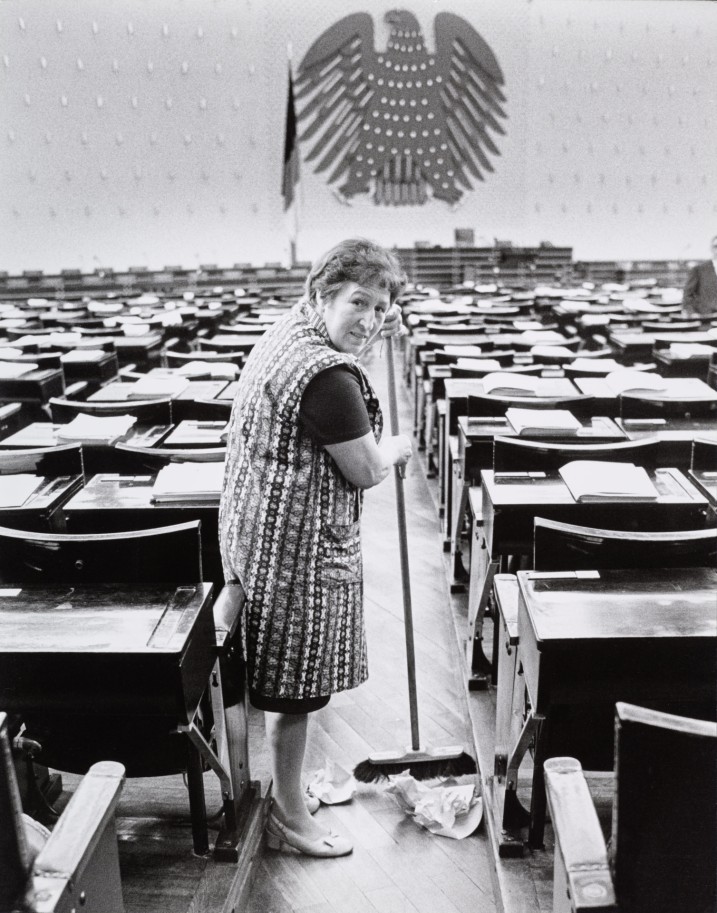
{"x": 353, "y": 315}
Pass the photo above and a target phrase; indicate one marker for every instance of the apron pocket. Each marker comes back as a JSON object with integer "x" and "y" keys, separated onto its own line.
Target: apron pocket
{"x": 341, "y": 554}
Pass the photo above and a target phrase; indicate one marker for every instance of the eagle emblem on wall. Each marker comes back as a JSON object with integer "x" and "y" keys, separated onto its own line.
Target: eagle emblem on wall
{"x": 403, "y": 125}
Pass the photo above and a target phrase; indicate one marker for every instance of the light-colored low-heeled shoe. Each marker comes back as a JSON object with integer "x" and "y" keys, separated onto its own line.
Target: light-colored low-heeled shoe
{"x": 280, "y": 837}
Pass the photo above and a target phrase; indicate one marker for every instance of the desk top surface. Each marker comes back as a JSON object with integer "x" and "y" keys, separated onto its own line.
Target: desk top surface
{"x": 618, "y": 604}
{"x": 706, "y": 482}
{"x": 675, "y": 428}
{"x": 110, "y": 491}
{"x": 108, "y": 618}
{"x": 50, "y": 493}
{"x": 518, "y": 489}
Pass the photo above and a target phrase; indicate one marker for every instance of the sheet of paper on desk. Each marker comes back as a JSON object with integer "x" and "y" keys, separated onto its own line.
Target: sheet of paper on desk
{"x": 218, "y": 369}
{"x": 598, "y": 365}
{"x": 16, "y": 489}
{"x": 10, "y": 369}
{"x": 100, "y": 429}
{"x": 543, "y": 421}
{"x": 690, "y": 349}
{"x": 597, "y": 480}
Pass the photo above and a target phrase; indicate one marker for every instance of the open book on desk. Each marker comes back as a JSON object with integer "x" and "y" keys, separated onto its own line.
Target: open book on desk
{"x": 549, "y": 422}
{"x": 626, "y": 380}
{"x": 507, "y": 383}
{"x": 183, "y": 482}
{"x": 597, "y": 480}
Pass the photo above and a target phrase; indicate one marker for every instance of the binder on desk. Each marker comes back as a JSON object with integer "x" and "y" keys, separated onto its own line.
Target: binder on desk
{"x": 549, "y": 422}
{"x": 596, "y": 480}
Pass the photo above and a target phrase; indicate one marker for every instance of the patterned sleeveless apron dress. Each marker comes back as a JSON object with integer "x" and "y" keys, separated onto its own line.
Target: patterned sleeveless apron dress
{"x": 289, "y": 522}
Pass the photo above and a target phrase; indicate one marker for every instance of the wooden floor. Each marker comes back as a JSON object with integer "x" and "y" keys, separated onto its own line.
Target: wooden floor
{"x": 396, "y": 866}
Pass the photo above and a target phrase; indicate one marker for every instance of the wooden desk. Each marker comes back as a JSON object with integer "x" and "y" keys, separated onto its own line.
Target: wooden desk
{"x": 475, "y": 453}
{"x": 586, "y": 640}
{"x": 675, "y": 436}
{"x": 34, "y": 387}
{"x": 42, "y": 510}
{"x": 705, "y": 480}
{"x": 677, "y": 388}
{"x": 456, "y": 397}
{"x": 116, "y": 656}
{"x": 507, "y": 506}
{"x": 113, "y": 503}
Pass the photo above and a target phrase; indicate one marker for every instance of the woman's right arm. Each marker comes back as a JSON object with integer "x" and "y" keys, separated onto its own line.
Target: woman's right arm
{"x": 365, "y": 463}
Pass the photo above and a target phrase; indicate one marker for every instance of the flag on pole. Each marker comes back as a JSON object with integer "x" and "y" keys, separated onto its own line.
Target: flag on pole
{"x": 290, "y": 176}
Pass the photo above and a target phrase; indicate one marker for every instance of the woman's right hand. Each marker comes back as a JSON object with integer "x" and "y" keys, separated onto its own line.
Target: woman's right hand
{"x": 402, "y": 449}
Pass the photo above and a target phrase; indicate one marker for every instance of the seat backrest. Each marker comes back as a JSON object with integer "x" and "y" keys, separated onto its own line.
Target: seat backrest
{"x": 704, "y": 454}
{"x": 566, "y": 547}
{"x": 62, "y": 460}
{"x": 167, "y": 554}
{"x": 147, "y": 411}
{"x": 664, "y": 840}
{"x": 151, "y": 459}
{"x": 515, "y": 454}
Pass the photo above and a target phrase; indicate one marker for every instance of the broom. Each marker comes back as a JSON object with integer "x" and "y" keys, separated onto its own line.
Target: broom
{"x": 422, "y": 762}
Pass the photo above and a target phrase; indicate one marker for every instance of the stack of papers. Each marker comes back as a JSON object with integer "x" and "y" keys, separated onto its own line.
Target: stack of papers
{"x": 16, "y": 489}
{"x": 95, "y": 429}
{"x": 196, "y": 482}
{"x": 691, "y": 350}
{"x": 537, "y": 422}
{"x": 151, "y": 387}
{"x": 595, "y": 480}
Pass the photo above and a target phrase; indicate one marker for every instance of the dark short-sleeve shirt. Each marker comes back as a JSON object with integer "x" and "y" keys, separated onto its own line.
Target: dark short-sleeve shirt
{"x": 332, "y": 407}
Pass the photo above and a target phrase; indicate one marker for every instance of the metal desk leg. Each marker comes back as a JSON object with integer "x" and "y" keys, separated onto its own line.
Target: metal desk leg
{"x": 480, "y": 667}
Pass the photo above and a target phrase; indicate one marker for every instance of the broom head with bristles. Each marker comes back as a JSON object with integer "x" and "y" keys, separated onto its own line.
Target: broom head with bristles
{"x": 422, "y": 764}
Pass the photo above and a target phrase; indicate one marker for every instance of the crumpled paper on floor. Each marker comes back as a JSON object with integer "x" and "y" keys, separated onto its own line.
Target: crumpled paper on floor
{"x": 450, "y": 810}
{"x": 332, "y": 784}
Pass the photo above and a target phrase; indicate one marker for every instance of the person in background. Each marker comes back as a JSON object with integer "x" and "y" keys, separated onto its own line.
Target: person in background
{"x": 304, "y": 442}
{"x": 700, "y": 294}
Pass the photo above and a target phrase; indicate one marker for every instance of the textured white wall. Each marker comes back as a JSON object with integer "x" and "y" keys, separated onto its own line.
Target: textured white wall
{"x": 151, "y": 133}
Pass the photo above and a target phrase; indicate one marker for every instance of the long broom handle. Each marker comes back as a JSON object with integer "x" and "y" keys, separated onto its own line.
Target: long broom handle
{"x": 399, "y": 475}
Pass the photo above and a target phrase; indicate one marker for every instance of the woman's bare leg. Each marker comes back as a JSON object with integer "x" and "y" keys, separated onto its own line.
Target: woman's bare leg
{"x": 286, "y": 738}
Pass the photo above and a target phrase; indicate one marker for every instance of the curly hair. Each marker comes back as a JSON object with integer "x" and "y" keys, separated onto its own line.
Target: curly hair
{"x": 355, "y": 260}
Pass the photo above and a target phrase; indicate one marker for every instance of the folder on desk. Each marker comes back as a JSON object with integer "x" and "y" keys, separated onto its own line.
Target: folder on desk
{"x": 535, "y": 422}
{"x": 597, "y": 480}
{"x": 182, "y": 482}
